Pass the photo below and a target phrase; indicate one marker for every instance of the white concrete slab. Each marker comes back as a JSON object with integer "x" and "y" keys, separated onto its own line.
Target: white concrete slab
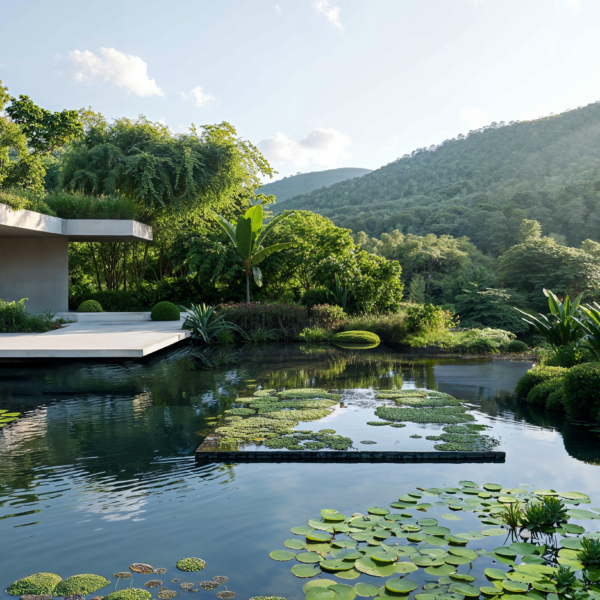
{"x": 73, "y": 315}
{"x": 130, "y": 339}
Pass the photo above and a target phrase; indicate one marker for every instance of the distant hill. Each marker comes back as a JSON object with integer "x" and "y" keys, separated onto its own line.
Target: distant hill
{"x": 481, "y": 185}
{"x": 288, "y": 187}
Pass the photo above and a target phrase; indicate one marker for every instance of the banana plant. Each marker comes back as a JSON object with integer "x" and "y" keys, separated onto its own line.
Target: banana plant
{"x": 247, "y": 235}
{"x": 590, "y": 324}
{"x": 560, "y": 327}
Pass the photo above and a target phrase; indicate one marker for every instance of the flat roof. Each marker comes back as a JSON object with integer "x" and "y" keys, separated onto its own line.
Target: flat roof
{"x": 29, "y": 224}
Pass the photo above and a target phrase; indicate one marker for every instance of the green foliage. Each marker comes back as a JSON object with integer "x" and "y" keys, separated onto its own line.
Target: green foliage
{"x": 206, "y": 323}
{"x": 535, "y": 376}
{"x": 191, "y": 565}
{"x": 540, "y": 263}
{"x": 68, "y": 205}
{"x": 589, "y": 554}
{"x": 22, "y": 200}
{"x": 89, "y": 306}
{"x": 580, "y": 391}
{"x": 516, "y": 347}
{"x": 416, "y": 290}
{"x": 421, "y": 318}
{"x": 589, "y": 322}
{"x": 165, "y": 311}
{"x": 330, "y": 317}
{"x": 315, "y": 334}
{"x": 356, "y": 337}
{"x": 303, "y": 183}
{"x": 317, "y": 296}
{"x": 15, "y": 319}
{"x": 129, "y": 594}
{"x": 80, "y": 584}
{"x": 539, "y": 393}
{"x": 555, "y": 401}
{"x": 490, "y": 308}
{"x": 36, "y": 584}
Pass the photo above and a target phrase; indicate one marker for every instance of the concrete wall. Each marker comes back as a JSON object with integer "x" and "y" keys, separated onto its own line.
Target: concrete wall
{"x": 35, "y": 268}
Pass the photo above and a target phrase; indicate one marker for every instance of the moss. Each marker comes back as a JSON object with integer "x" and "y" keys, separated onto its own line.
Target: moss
{"x": 400, "y": 393}
{"x": 581, "y": 396}
{"x": 240, "y": 411}
{"x": 449, "y": 414}
{"x": 356, "y": 337}
{"x": 535, "y": 376}
{"x": 81, "y": 584}
{"x": 539, "y": 393}
{"x": 37, "y": 584}
{"x": 90, "y": 306}
{"x": 408, "y": 401}
{"x": 191, "y": 564}
{"x": 129, "y": 594}
{"x": 165, "y": 311}
{"x": 314, "y": 445}
{"x": 308, "y": 393}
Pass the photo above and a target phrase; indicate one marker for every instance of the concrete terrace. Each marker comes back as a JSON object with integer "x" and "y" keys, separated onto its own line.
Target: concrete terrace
{"x": 97, "y": 339}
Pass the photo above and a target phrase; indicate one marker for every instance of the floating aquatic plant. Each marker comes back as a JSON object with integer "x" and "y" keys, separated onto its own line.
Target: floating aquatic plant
{"x": 36, "y": 584}
{"x": 167, "y": 594}
{"x": 129, "y": 594}
{"x": 142, "y": 568}
{"x": 123, "y": 575}
{"x": 160, "y": 571}
{"x": 220, "y": 579}
{"x": 81, "y": 585}
{"x": 153, "y": 583}
{"x": 186, "y": 587}
{"x": 208, "y": 585}
{"x": 225, "y": 595}
{"x": 191, "y": 564}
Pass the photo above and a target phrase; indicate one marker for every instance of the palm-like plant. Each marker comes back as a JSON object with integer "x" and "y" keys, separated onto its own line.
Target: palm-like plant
{"x": 589, "y": 322}
{"x": 560, "y": 327}
{"x": 206, "y": 324}
{"x": 340, "y": 294}
{"x": 247, "y": 236}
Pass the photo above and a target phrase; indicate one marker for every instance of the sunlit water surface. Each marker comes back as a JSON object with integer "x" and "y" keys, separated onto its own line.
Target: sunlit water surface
{"x": 100, "y": 471}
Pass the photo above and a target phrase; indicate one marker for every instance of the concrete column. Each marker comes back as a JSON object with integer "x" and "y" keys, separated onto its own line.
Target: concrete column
{"x": 35, "y": 268}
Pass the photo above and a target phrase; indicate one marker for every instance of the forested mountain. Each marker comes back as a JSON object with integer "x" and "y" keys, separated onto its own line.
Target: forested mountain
{"x": 481, "y": 185}
{"x": 288, "y": 187}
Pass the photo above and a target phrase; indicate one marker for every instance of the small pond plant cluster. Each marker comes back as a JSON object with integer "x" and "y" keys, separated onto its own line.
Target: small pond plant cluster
{"x": 421, "y": 547}
{"x": 45, "y": 586}
{"x": 7, "y": 417}
{"x": 269, "y": 417}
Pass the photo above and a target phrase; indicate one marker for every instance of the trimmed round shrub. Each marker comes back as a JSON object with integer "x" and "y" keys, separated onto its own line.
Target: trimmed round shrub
{"x": 90, "y": 306}
{"x": 556, "y": 401}
{"x": 80, "y": 584}
{"x": 129, "y": 594}
{"x": 539, "y": 393}
{"x": 516, "y": 347}
{"x": 535, "y": 376}
{"x": 356, "y": 337}
{"x": 38, "y": 584}
{"x": 582, "y": 391}
{"x": 165, "y": 311}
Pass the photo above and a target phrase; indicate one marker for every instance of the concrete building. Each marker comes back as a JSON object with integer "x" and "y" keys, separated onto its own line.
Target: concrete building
{"x": 34, "y": 253}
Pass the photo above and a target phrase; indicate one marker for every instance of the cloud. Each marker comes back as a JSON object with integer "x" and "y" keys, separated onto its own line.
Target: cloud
{"x": 123, "y": 70}
{"x": 321, "y": 146}
{"x": 202, "y": 98}
{"x": 574, "y": 5}
{"x": 474, "y": 118}
{"x": 332, "y": 13}
{"x": 278, "y": 9}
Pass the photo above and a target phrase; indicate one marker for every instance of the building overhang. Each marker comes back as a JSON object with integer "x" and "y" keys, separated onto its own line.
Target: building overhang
{"x": 29, "y": 224}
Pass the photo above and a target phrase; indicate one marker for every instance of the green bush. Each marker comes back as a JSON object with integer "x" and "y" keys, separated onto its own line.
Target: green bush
{"x": 80, "y": 584}
{"x": 36, "y": 584}
{"x": 315, "y": 334}
{"x": 556, "y": 401}
{"x": 516, "y": 347}
{"x": 424, "y": 318}
{"x": 22, "y": 200}
{"x": 89, "y": 306}
{"x": 463, "y": 341}
{"x": 311, "y": 298}
{"x": 535, "y": 376}
{"x": 539, "y": 393}
{"x": 389, "y": 328}
{"x": 15, "y": 319}
{"x": 328, "y": 316}
{"x": 129, "y": 594}
{"x": 582, "y": 391}
{"x": 165, "y": 311}
{"x": 356, "y": 337}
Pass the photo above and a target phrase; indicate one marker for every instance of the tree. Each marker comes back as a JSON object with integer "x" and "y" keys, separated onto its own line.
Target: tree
{"x": 247, "y": 236}
{"x": 529, "y": 230}
{"x": 541, "y": 263}
{"x": 417, "y": 289}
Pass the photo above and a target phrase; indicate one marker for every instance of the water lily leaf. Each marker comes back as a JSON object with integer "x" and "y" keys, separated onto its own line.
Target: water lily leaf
{"x": 400, "y": 585}
{"x": 333, "y": 564}
{"x": 489, "y": 591}
{"x": 464, "y": 552}
{"x": 321, "y": 525}
{"x": 401, "y": 551}
{"x": 407, "y": 499}
{"x": 523, "y": 549}
{"x": 301, "y": 529}
{"x": 465, "y": 483}
{"x": 428, "y": 522}
{"x": 331, "y": 516}
{"x": 377, "y": 510}
{"x": 366, "y": 589}
{"x": 484, "y": 495}
{"x": 410, "y": 528}
{"x": 351, "y": 574}
{"x": 437, "y": 552}
{"x": 405, "y": 567}
{"x": 491, "y": 532}
{"x": 398, "y": 505}
{"x": 455, "y": 539}
{"x": 318, "y": 536}
{"x": 308, "y": 557}
{"x": 504, "y": 551}
{"x": 492, "y": 487}
{"x": 381, "y": 555}
{"x": 436, "y": 530}
{"x": 457, "y": 560}
{"x": 435, "y": 491}
{"x": 321, "y": 548}
{"x": 465, "y": 589}
{"x": 424, "y": 506}
{"x": 305, "y": 571}
{"x": 545, "y": 492}
{"x": 375, "y": 568}
{"x": 344, "y": 543}
{"x": 451, "y": 517}
{"x": 320, "y": 593}
{"x": 282, "y": 555}
{"x": 544, "y": 586}
{"x": 522, "y": 577}
{"x": 495, "y": 573}
{"x": 425, "y": 596}
{"x": 295, "y": 544}
{"x": 572, "y": 528}
{"x": 580, "y": 514}
{"x": 343, "y": 591}
{"x": 425, "y": 561}
{"x": 536, "y": 569}
{"x": 435, "y": 541}
{"x": 572, "y": 543}
{"x": 324, "y": 583}
{"x": 439, "y": 571}
{"x": 515, "y": 586}
{"x": 462, "y": 577}
{"x": 574, "y": 496}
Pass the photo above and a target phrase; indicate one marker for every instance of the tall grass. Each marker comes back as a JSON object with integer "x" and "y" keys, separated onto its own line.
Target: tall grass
{"x": 15, "y": 319}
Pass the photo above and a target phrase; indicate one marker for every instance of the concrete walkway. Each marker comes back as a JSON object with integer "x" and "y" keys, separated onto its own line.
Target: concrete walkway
{"x": 96, "y": 339}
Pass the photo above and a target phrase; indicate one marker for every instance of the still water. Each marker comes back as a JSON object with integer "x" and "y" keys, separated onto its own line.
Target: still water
{"x": 99, "y": 472}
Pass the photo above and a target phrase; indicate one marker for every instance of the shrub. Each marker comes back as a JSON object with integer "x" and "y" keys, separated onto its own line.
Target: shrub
{"x": 165, "y": 311}
{"x": 22, "y": 200}
{"x": 467, "y": 341}
{"x": 539, "y": 393}
{"x": 516, "y": 347}
{"x": 327, "y": 316}
{"x": 555, "y": 401}
{"x": 314, "y": 297}
{"x": 389, "y": 328}
{"x": 15, "y": 319}
{"x": 582, "y": 391}
{"x": 89, "y": 306}
{"x": 315, "y": 334}
{"x": 36, "y": 584}
{"x": 81, "y": 585}
{"x": 356, "y": 337}
{"x": 423, "y": 318}
{"x": 535, "y": 376}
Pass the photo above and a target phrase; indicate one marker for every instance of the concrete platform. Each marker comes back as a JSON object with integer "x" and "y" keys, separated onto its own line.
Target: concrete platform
{"x": 95, "y": 339}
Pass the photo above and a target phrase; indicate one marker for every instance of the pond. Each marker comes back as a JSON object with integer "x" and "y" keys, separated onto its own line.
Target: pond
{"x": 99, "y": 471}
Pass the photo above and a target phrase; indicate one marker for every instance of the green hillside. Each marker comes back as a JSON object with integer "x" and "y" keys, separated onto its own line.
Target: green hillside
{"x": 288, "y": 187}
{"x": 481, "y": 185}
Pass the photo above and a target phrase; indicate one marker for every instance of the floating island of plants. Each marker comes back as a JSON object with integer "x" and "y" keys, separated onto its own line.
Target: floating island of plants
{"x": 43, "y": 586}
{"x": 542, "y": 554}
{"x": 269, "y": 417}
{"x": 7, "y": 417}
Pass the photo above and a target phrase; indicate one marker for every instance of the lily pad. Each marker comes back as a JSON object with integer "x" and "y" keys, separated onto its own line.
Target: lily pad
{"x": 305, "y": 571}
{"x": 436, "y": 530}
{"x": 495, "y": 573}
{"x": 351, "y": 574}
{"x": 308, "y": 557}
{"x": 400, "y": 585}
{"x": 439, "y": 571}
{"x": 282, "y": 555}
{"x": 378, "y": 510}
{"x": 492, "y": 487}
{"x": 451, "y": 517}
{"x": 544, "y": 586}
{"x": 465, "y": 589}
{"x": 489, "y": 591}
{"x": 464, "y": 552}
{"x": 514, "y": 586}
{"x": 366, "y": 590}
{"x": 301, "y": 529}
{"x": 295, "y": 544}
{"x": 577, "y": 513}
{"x": 333, "y": 564}
{"x": 381, "y": 555}
{"x": 324, "y": 583}
{"x": 462, "y": 577}
{"x": 574, "y": 496}
{"x": 320, "y": 593}
{"x": 371, "y": 567}
{"x": 490, "y": 532}
{"x": 405, "y": 567}
{"x": 343, "y": 591}
{"x": 457, "y": 560}
{"x": 318, "y": 536}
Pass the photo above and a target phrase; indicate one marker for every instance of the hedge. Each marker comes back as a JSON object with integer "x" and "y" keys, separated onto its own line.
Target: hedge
{"x": 539, "y": 393}
{"x": 165, "y": 311}
{"x": 356, "y": 337}
{"x": 582, "y": 391}
{"x": 535, "y": 376}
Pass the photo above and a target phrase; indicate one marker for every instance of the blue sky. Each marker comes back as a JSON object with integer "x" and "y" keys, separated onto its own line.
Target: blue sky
{"x": 316, "y": 84}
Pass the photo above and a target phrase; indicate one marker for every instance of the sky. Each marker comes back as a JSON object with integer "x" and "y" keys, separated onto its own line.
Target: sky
{"x": 315, "y": 84}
